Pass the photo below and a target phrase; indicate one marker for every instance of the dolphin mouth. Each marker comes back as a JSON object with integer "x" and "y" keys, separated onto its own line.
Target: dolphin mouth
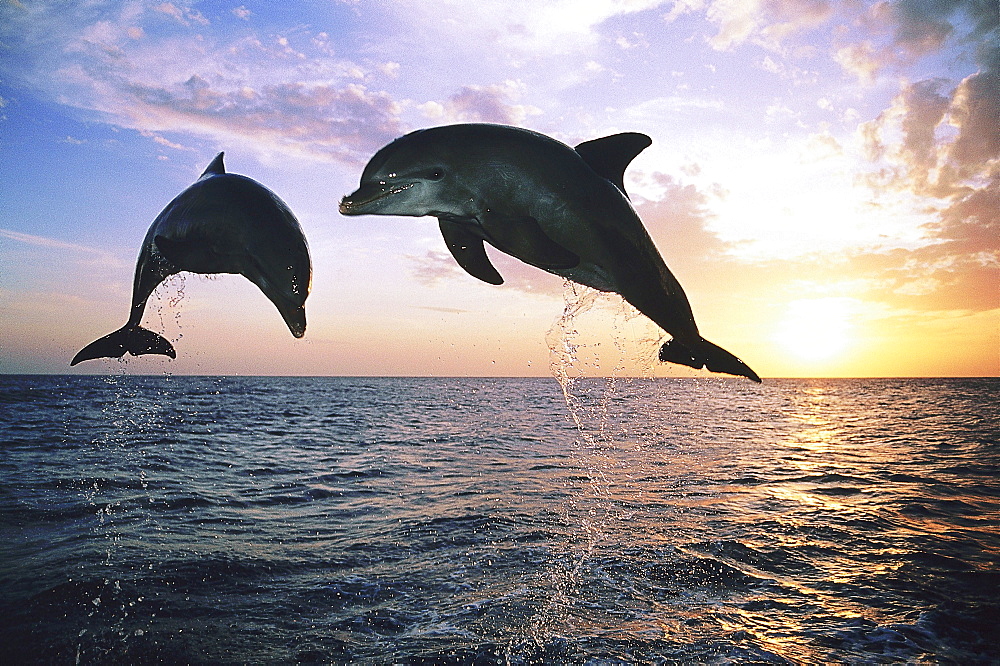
{"x": 350, "y": 205}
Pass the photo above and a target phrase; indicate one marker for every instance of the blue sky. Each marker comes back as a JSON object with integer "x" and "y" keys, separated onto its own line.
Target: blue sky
{"x": 823, "y": 178}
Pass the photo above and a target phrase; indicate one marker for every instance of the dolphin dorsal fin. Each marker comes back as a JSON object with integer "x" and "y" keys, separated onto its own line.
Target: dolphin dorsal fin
{"x": 216, "y": 168}
{"x": 609, "y": 156}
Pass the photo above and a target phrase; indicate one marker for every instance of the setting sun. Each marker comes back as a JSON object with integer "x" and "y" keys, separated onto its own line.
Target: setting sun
{"x": 816, "y": 329}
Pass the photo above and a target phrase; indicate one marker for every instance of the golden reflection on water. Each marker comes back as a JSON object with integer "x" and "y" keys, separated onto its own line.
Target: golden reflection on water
{"x": 818, "y": 431}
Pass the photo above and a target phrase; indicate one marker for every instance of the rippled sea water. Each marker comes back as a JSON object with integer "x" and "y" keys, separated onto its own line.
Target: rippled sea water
{"x": 230, "y": 520}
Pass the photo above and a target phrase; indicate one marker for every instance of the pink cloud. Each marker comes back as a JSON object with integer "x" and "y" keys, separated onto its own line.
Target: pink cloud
{"x": 944, "y": 146}
{"x": 492, "y": 104}
{"x": 433, "y": 266}
{"x": 347, "y": 123}
{"x": 766, "y": 22}
{"x": 177, "y": 79}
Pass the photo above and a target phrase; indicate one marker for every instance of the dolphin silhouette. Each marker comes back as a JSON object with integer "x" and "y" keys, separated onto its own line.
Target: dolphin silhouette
{"x": 223, "y": 223}
{"x": 561, "y": 209}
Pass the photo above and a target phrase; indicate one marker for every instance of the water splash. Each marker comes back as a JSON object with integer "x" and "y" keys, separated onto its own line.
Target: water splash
{"x": 562, "y": 339}
{"x": 117, "y": 490}
{"x": 169, "y": 296}
{"x": 591, "y": 392}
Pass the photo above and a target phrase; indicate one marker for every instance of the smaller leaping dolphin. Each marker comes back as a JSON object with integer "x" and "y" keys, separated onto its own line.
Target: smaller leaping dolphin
{"x": 223, "y": 223}
{"x": 561, "y": 209}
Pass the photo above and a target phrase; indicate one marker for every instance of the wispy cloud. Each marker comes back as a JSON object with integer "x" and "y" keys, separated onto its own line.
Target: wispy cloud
{"x": 763, "y": 22}
{"x": 62, "y": 251}
{"x": 52, "y": 243}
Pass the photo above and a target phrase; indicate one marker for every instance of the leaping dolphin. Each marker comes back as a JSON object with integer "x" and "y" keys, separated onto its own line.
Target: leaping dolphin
{"x": 561, "y": 209}
{"x": 223, "y": 223}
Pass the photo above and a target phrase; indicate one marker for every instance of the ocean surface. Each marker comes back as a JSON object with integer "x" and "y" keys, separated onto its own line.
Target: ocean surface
{"x": 231, "y": 520}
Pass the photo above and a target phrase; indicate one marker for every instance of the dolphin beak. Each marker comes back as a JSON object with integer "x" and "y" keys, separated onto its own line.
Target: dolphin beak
{"x": 296, "y": 321}
{"x": 360, "y": 202}
{"x": 345, "y": 205}
{"x": 294, "y": 316}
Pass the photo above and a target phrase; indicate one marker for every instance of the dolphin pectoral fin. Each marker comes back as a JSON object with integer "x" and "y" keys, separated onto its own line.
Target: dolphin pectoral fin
{"x": 524, "y": 238}
{"x": 708, "y": 355}
{"x": 468, "y": 250}
{"x": 134, "y": 340}
{"x": 609, "y": 156}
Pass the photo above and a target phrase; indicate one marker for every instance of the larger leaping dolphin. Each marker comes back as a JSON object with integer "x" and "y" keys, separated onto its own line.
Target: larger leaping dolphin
{"x": 223, "y": 223}
{"x": 561, "y": 209}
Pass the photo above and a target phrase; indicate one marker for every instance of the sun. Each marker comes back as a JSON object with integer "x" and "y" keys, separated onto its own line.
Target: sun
{"x": 816, "y": 329}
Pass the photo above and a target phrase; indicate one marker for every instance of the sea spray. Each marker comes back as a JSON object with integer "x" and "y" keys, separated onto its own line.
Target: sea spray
{"x": 169, "y": 296}
{"x": 117, "y": 490}
{"x": 591, "y": 394}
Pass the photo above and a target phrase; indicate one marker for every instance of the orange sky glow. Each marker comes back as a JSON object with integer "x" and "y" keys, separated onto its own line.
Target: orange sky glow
{"x": 824, "y": 179}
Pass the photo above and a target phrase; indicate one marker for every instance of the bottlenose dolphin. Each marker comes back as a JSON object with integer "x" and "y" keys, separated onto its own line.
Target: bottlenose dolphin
{"x": 223, "y": 223}
{"x": 561, "y": 209}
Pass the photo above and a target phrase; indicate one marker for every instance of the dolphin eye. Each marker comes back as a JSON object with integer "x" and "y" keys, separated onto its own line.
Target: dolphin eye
{"x": 436, "y": 174}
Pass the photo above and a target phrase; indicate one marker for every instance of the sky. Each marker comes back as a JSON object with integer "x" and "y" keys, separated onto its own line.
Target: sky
{"x": 824, "y": 178}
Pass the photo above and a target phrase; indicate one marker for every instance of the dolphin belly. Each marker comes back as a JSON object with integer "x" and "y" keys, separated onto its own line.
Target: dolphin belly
{"x": 590, "y": 275}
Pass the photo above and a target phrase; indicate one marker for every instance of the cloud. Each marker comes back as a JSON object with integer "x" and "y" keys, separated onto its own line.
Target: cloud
{"x": 52, "y": 243}
{"x": 433, "y": 308}
{"x": 975, "y": 110}
{"x": 183, "y": 15}
{"x": 763, "y": 22}
{"x": 860, "y": 59}
{"x": 903, "y": 137}
{"x": 436, "y": 266}
{"x": 146, "y": 66}
{"x": 520, "y": 27}
{"x": 897, "y": 34}
{"x": 90, "y": 255}
{"x": 432, "y": 267}
{"x": 940, "y": 142}
{"x": 481, "y": 104}
{"x": 678, "y": 222}
{"x": 342, "y": 122}
{"x": 938, "y": 277}
{"x": 923, "y": 26}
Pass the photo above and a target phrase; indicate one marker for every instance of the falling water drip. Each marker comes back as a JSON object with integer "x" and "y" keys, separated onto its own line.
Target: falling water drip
{"x": 171, "y": 291}
{"x": 590, "y": 401}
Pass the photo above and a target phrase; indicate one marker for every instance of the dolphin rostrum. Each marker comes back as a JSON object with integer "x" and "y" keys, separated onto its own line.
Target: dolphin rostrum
{"x": 561, "y": 209}
{"x": 223, "y": 223}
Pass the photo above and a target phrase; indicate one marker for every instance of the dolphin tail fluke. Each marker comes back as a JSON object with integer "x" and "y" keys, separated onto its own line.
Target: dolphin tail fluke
{"x": 707, "y": 355}
{"x": 134, "y": 340}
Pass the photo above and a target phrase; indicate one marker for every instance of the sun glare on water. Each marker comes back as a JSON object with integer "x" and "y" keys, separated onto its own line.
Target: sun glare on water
{"x": 816, "y": 329}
